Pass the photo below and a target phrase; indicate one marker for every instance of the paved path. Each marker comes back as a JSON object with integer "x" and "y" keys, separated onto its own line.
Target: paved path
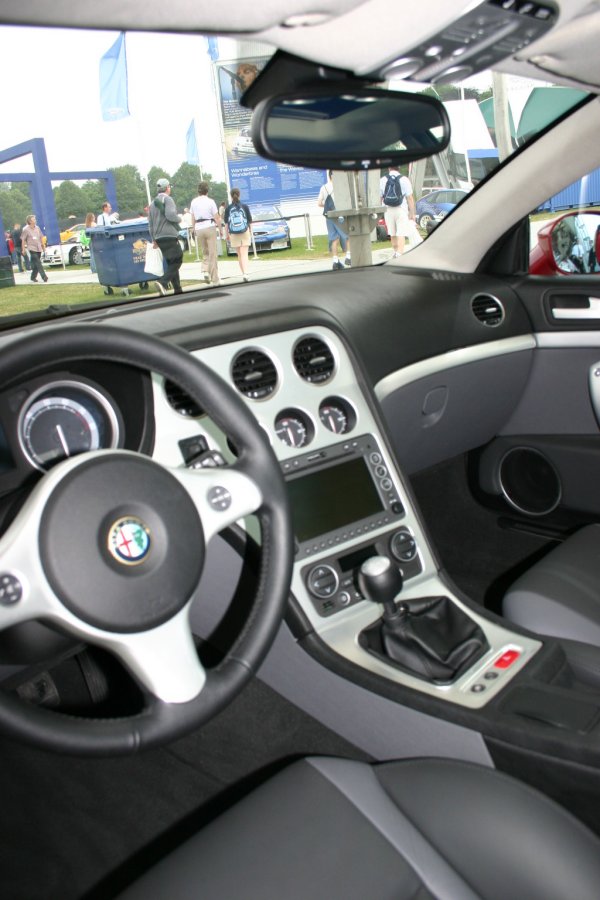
{"x": 229, "y": 270}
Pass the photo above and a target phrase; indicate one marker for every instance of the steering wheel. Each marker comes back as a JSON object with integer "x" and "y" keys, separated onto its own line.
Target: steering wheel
{"x": 110, "y": 546}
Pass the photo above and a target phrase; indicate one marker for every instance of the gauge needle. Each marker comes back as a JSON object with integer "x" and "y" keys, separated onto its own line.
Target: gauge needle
{"x": 291, "y": 436}
{"x": 63, "y": 440}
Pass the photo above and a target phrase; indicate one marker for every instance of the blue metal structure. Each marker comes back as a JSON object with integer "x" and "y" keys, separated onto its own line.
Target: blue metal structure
{"x": 40, "y": 183}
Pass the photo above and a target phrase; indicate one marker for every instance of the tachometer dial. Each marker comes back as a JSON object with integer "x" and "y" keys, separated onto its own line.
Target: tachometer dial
{"x": 293, "y": 429}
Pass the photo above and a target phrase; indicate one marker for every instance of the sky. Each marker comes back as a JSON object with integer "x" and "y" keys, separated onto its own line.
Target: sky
{"x": 170, "y": 83}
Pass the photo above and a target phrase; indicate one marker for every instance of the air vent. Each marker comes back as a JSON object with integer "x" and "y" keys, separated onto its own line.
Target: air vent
{"x": 182, "y": 402}
{"x": 254, "y": 374}
{"x": 487, "y": 309}
{"x": 313, "y": 360}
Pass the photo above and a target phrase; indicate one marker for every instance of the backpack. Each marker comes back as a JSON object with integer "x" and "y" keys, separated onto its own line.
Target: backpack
{"x": 329, "y": 205}
{"x": 392, "y": 193}
{"x": 238, "y": 221}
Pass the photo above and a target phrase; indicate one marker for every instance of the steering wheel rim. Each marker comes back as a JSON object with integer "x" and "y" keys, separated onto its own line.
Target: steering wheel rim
{"x": 161, "y": 721}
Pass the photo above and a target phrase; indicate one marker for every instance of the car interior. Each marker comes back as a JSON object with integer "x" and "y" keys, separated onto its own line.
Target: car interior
{"x": 313, "y": 608}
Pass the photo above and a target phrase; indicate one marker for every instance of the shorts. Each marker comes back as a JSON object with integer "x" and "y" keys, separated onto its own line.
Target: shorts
{"x": 396, "y": 220}
{"x": 244, "y": 239}
{"x": 336, "y": 233}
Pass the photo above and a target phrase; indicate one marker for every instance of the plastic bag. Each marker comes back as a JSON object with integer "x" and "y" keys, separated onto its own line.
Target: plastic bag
{"x": 154, "y": 263}
{"x": 414, "y": 237}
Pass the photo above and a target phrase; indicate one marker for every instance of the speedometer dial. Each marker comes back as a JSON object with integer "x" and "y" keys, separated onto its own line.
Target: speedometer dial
{"x": 63, "y": 419}
{"x": 57, "y": 427}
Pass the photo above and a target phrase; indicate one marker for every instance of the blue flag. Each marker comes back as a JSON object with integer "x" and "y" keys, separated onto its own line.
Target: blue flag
{"x": 191, "y": 145}
{"x": 212, "y": 47}
{"x": 113, "y": 82}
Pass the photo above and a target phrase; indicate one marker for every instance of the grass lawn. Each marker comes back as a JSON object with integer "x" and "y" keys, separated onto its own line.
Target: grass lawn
{"x": 31, "y": 297}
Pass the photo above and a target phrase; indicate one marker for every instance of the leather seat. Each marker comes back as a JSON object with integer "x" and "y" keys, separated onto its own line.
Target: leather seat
{"x": 333, "y": 829}
{"x": 560, "y": 595}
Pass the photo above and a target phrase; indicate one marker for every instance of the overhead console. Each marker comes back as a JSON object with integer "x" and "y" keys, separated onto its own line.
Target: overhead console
{"x": 350, "y": 506}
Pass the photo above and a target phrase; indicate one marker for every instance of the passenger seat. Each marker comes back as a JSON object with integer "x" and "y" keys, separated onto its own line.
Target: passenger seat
{"x": 560, "y": 595}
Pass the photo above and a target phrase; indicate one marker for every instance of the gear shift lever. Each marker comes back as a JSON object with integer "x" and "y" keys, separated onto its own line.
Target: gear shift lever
{"x": 380, "y": 582}
{"x": 431, "y": 637}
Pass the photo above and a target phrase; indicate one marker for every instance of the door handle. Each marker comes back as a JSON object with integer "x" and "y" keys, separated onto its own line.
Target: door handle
{"x": 594, "y": 385}
{"x": 585, "y": 312}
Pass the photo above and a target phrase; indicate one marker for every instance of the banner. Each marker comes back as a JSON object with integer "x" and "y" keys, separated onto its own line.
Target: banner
{"x": 191, "y": 145}
{"x": 212, "y": 47}
{"x": 259, "y": 180}
{"x": 113, "y": 82}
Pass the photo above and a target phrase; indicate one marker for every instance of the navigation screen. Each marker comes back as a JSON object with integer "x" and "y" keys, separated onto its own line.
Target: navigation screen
{"x": 332, "y": 498}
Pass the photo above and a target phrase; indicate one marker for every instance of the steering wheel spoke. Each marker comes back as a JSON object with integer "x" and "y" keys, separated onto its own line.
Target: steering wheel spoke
{"x": 164, "y": 660}
{"x": 24, "y": 590}
{"x": 222, "y": 496}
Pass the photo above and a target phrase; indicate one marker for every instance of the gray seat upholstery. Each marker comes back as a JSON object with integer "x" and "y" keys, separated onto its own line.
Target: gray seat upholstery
{"x": 332, "y": 829}
{"x": 560, "y": 595}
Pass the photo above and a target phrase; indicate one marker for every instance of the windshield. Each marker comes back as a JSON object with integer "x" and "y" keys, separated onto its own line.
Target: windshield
{"x": 104, "y": 147}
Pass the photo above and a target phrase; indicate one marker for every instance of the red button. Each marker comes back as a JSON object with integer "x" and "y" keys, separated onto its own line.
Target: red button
{"x": 507, "y": 659}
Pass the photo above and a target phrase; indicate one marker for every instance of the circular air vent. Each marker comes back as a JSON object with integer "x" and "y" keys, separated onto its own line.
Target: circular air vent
{"x": 254, "y": 374}
{"x": 182, "y": 402}
{"x": 487, "y": 309}
{"x": 313, "y": 360}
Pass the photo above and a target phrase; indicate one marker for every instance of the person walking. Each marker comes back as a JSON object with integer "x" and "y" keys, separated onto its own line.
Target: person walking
{"x": 337, "y": 237}
{"x": 164, "y": 227}
{"x": 238, "y": 229}
{"x": 207, "y": 220}
{"x": 397, "y": 196}
{"x": 32, "y": 243}
{"x": 22, "y": 261}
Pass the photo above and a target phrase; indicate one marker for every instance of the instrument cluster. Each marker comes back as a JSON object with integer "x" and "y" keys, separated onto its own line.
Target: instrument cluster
{"x": 51, "y": 417}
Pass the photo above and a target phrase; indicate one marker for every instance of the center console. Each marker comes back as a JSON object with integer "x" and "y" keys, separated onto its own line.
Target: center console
{"x": 349, "y": 503}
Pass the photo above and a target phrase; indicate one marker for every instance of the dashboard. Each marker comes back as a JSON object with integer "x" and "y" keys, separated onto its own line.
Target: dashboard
{"x": 310, "y": 384}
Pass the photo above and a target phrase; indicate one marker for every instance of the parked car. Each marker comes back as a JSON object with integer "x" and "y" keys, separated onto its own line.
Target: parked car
{"x": 437, "y": 204}
{"x": 72, "y": 253}
{"x": 316, "y": 555}
{"x": 71, "y": 232}
{"x": 271, "y": 231}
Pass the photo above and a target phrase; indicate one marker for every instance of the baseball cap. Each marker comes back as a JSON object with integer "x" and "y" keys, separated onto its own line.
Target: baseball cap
{"x": 162, "y": 184}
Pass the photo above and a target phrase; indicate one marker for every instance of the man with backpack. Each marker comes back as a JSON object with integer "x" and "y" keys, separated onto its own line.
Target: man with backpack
{"x": 397, "y": 197}
{"x": 206, "y": 220}
{"x": 238, "y": 218}
{"x": 335, "y": 234}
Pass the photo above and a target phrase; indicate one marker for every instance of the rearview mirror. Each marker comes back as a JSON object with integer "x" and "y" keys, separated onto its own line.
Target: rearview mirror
{"x": 345, "y": 126}
{"x": 569, "y": 245}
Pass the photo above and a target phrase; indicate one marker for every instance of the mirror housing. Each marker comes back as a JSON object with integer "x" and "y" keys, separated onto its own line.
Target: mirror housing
{"x": 348, "y": 126}
{"x": 568, "y": 245}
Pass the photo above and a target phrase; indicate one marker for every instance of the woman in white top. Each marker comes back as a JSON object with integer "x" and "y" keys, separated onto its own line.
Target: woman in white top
{"x": 206, "y": 219}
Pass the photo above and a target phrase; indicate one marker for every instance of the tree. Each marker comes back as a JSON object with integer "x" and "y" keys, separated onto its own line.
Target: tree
{"x": 68, "y": 201}
{"x": 131, "y": 192}
{"x": 185, "y": 185}
{"x": 94, "y": 195}
{"x": 15, "y": 204}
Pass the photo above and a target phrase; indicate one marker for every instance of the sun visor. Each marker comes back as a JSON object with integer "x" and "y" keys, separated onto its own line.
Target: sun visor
{"x": 571, "y": 52}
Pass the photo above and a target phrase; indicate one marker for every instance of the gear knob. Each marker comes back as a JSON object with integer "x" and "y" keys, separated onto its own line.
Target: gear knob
{"x": 380, "y": 581}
